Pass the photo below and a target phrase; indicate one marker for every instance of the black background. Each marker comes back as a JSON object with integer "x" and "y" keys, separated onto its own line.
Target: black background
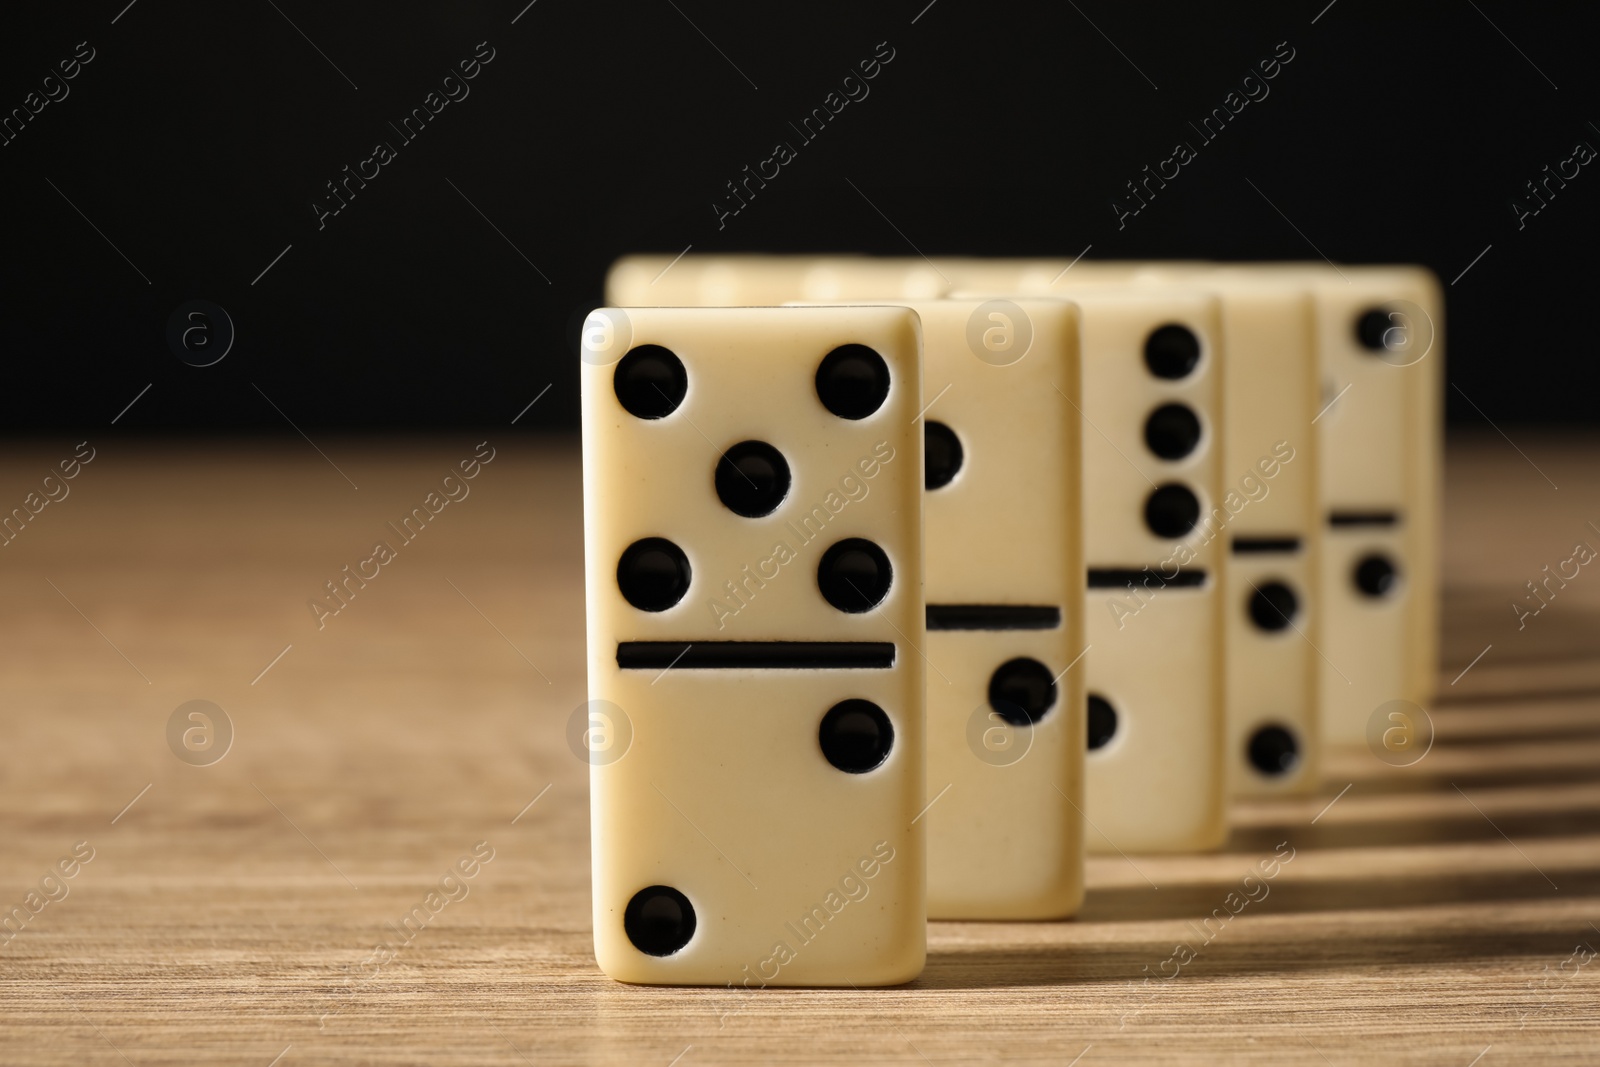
{"x": 199, "y": 136}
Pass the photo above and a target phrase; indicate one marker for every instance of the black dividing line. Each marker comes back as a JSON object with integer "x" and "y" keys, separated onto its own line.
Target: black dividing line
{"x": 755, "y": 655}
{"x": 993, "y": 617}
{"x": 1363, "y": 518}
{"x": 1246, "y": 546}
{"x": 1119, "y": 577}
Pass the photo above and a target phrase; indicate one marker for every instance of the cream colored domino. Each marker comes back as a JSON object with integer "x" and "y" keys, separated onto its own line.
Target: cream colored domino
{"x": 1005, "y": 531}
{"x": 1270, "y": 455}
{"x": 1004, "y": 586}
{"x": 1158, "y": 782}
{"x": 1381, "y": 355}
{"x": 1420, "y": 287}
{"x": 753, "y": 646}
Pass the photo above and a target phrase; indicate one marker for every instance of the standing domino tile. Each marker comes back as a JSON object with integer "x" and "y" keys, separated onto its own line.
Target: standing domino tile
{"x": 1156, "y": 777}
{"x": 1380, "y": 351}
{"x": 1274, "y": 668}
{"x": 1004, "y": 583}
{"x": 1005, "y": 609}
{"x": 753, "y": 483}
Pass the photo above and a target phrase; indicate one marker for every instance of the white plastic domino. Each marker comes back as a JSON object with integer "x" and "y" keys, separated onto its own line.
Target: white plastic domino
{"x": 753, "y": 536}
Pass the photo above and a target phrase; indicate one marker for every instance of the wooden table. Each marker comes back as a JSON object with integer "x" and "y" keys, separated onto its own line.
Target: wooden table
{"x": 230, "y": 912}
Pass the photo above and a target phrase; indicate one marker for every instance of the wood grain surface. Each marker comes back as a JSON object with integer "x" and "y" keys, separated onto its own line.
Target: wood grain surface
{"x": 233, "y": 913}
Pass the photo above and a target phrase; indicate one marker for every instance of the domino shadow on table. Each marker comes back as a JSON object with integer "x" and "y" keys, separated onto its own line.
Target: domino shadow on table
{"x": 1388, "y": 830}
{"x": 1557, "y": 629}
{"x": 1488, "y": 778}
{"x": 1231, "y": 954}
{"x": 1369, "y": 893}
